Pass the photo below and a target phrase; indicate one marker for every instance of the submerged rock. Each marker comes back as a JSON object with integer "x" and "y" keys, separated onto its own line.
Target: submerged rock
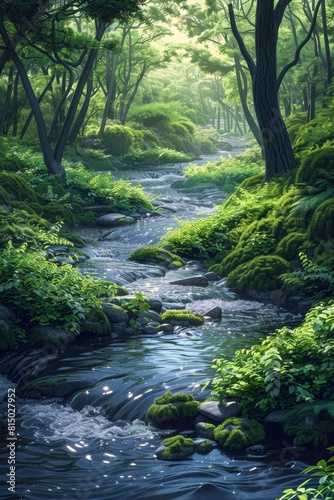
{"x": 192, "y": 281}
{"x": 214, "y": 313}
{"x": 111, "y": 220}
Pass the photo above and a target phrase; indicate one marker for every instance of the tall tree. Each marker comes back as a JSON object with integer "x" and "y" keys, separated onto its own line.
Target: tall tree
{"x": 277, "y": 149}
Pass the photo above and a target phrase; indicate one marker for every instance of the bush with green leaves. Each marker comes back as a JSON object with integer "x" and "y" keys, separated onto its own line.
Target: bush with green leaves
{"x": 227, "y": 173}
{"x": 118, "y": 139}
{"x": 309, "y": 281}
{"x": 44, "y": 293}
{"x": 317, "y": 165}
{"x": 156, "y": 156}
{"x": 324, "y": 472}
{"x": 288, "y": 367}
{"x": 118, "y": 195}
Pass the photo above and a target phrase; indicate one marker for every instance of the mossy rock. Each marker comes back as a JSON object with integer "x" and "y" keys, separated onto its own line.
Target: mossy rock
{"x": 118, "y": 139}
{"x": 57, "y": 212}
{"x": 15, "y": 185}
{"x": 309, "y": 424}
{"x": 156, "y": 255}
{"x": 261, "y": 274}
{"x": 182, "y": 316}
{"x": 4, "y": 197}
{"x": 318, "y": 164}
{"x": 237, "y": 433}
{"x": 7, "y": 336}
{"x": 290, "y": 246}
{"x": 177, "y": 448}
{"x": 321, "y": 226}
{"x": 170, "y": 409}
{"x": 96, "y": 323}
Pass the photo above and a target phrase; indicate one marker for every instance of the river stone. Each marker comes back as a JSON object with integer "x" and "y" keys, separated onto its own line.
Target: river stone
{"x": 152, "y": 315}
{"x": 119, "y": 328}
{"x": 111, "y": 220}
{"x": 214, "y": 313}
{"x": 256, "y": 449}
{"x": 49, "y": 334}
{"x": 7, "y": 313}
{"x": 218, "y": 412}
{"x": 166, "y": 328}
{"x": 149, "y": 329}
{"x": 173, "y": 305}
{"x": 144, "y": 211}
{"x": 212, "y": 276}
{"x": 276, "y": 417}
{"x": 115, "y": 314}
{"x": 192, "y": 281}
{"x": 142, "y": 321}
{"x": 182, "y": 454}
{"x": 155, "y": 305}
{"x": 203, "y": 431}
{"x": 208, "y": 445}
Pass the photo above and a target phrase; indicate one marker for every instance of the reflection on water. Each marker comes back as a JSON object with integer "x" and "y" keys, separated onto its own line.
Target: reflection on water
{"x": 93, "y": 442}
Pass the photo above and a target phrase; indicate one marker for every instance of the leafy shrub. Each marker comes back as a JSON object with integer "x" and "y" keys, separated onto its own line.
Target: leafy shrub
{"x": 261, "y": 273}
{"x": 289, "y": 367}
{"x": 289, "y": 246}
{"x": 15, "y": 185}
{"x": 157, "y": 156}
{"x": 321, "y": 226}
{"x": 42, "y": 292}
{"x": 118, "y": 139}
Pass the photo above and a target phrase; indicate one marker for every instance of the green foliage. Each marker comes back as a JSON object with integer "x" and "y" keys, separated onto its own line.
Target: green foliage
{"x": 156, "y": 156}
{"x": 111, "y": 10}
{"x": 236, "y": 433}
{"x": 16, "y": 186}
{"x": 324, "y": 470}
{"x": 97, "y": 323}
{"x": 227, "y": 173}
{"x": 310, "y": 423}
{"x": 312, "y": 279}
{"x": 183, "y": 315}
{"x": 102, "y": 188}
{"x": 318, "y": 164}
{"x": 118, "y": 139}
{"x": 316, "y": 132}
{"x": 135, "y": 306}
{"x": 261, "y": 273}
{"x": 174, "y": 445}
{"x": 155, "y": 255}
{"x": 288, "y": 367}
{"x": 7, "y": 337}
{"x": 42, "y": 292}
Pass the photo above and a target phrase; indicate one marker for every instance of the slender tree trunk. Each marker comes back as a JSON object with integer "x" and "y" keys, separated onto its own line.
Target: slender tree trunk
{"x": 6, "y": 104}
{"x": 112, "y": 61}
{"x": 74, "y": 132}
{"x": 53, "y": 167}
{"x": 63, "y": 136}
{"x": 15, "y": 104}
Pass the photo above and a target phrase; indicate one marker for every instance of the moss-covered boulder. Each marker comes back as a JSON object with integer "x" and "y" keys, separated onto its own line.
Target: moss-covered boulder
{"x": 321, "y": 226}
{"x": 261, "y": 274}
{"x": 318, "y": 164}
{"x": 175, "y": 448}
{"x": 172, "y": 409}
{"x": 156, "y": 255}
{"x": 290, "y": 246}
{"x": 310, "y": 423}
{"x": 182, "y": 317}
{"x": 238, "y": 433}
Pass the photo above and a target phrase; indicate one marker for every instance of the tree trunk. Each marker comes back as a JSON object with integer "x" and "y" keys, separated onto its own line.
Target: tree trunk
{"x": 5, "y": 108}
{"x": 277, "y": 149}
{"x": 74, "y": 132}
{"x": 53, "y": 167}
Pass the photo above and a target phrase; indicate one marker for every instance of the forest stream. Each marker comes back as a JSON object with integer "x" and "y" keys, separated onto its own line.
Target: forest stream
{"x": 94, "y": 443}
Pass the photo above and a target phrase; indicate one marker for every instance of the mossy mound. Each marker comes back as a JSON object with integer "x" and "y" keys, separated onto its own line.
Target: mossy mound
{"x": 290, "y": 246}
{"x": 118, "y": 139}
{"x": 261, "y": 274}
{"x": 182, "y": 316}
{"x": 170, "y": 409}
{"x": 318, "y": 164}
{"x": 321, "y": 226}
{"x": 96, "y": 323}
{"x": 310, "y": 423}
{"x": 177, "y": 447}
{"x": 156, "y": 255}
{"x": 237, "y": 433}
{"x": 16, "y": 186}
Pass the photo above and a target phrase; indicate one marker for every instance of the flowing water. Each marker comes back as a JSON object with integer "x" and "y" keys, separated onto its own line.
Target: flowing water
{"x": 93, "y": 441}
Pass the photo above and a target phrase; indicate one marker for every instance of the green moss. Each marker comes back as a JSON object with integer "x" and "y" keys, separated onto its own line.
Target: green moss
{"x": 261, "y": 273}
{"x": 175, "y": 444}
{"x": 96, "y": 323}
{"x": 321, "y": 226}
{"x": 4, "y": 196}
{"x": 118, "y": 139}
{"x": 57, "y": 212}
{"x": 290, "y": 246}
{"x": 15, "y": 185}
{"x": 7, "y": 338}
{"x": 194, "y": 318}
{"x": 171, "y": 407}
{"x": 310, "y": 423}
{"x": 237, "y": 433}
{"x": 155, "y": 255}
{"x": 205, "y": 447}
{"x": 209, "y": 426}
{"x": 318, "y": 164}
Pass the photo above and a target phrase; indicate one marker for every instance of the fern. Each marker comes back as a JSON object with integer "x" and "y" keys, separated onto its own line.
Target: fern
{"x": 309, "y": 203}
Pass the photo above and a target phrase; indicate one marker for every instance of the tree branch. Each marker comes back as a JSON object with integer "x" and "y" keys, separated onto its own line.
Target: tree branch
{"x": 242, "y": 46}
{"x": 300, "y": 47}
{"x": 279, "y": 11}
